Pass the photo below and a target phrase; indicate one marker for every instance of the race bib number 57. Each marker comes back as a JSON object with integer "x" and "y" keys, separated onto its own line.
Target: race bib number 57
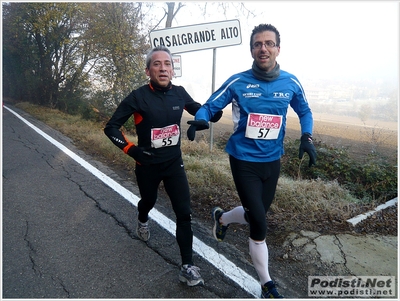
{"x": 263, "y": 126}
{"x": 166, "y": 136}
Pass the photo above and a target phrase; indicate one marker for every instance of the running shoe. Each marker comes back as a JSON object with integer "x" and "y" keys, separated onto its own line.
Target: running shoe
{"x": 268, "y": 290}
{"x": 190, "y": 274}
{"x": 219, "y": 231}
{"x": 143, "y": 231}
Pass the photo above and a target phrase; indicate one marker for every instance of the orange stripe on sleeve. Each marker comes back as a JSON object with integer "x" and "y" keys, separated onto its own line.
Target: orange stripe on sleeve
{"x": 126, "y": 148}
{"x": 137, "y": 117}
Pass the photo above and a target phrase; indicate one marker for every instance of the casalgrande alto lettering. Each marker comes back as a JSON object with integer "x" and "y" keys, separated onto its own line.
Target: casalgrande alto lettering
{"x": 195, "y": 37}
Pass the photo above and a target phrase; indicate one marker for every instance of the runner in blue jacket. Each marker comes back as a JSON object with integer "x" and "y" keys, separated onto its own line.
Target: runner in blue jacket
{"x": 260, "y": 98}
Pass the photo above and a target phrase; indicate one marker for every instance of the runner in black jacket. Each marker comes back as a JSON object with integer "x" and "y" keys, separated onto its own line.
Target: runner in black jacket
{"x": 157, "y": 109}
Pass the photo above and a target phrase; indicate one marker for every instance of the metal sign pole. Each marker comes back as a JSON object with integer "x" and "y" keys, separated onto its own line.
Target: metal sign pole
{"x": 197, "y": 37}
{"x": 212, "y": 91}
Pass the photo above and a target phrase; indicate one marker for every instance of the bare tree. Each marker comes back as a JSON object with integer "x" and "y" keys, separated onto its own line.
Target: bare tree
{"x": 171, "y": 11}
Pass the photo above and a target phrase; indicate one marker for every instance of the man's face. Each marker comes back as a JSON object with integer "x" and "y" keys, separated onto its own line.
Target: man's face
{"x": 161, "y": 70}
{"x": 264, "y": 56}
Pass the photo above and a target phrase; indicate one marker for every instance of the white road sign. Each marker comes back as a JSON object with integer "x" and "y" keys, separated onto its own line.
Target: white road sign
{"x": 177, "y": 65}
{"x": 198, "y": 37}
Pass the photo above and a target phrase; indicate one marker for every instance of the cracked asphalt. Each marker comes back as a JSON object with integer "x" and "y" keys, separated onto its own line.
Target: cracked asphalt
{"x": 68, "y": 235}
{"x": 379, "y": 253}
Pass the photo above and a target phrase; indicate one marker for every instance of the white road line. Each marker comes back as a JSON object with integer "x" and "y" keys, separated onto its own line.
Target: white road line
{"x": 228, "y": 268}
{"x": 355, "y": 220}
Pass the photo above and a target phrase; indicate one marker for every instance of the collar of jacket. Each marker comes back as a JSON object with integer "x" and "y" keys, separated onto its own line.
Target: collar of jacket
{"x": 155, "y": 87}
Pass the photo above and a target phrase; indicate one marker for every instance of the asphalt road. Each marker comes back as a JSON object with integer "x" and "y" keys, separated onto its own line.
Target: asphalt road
{"x": 69, "y": 232}
{"x": 69, "y": 229}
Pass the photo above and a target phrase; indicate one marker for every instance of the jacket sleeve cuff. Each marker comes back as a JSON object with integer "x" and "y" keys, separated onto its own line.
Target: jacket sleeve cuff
{"x": 127, "y": 147}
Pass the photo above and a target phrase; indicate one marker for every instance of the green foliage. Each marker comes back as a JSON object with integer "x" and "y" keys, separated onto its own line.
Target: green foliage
{"x": 18, "y": 80}
{"x": 379, "y": 178}
{"x": 50, "y": 63}
{"x": 120, "y": 46}
{"x": 57, "y": 53}
{"x": 369, "y": 179}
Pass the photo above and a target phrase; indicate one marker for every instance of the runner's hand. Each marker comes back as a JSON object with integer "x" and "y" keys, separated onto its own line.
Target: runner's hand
{"x": 306, "y": 145}
{"x": 139, "y": 153}
{"x": 217, "y": 116}
{"x": 196, "y": 125}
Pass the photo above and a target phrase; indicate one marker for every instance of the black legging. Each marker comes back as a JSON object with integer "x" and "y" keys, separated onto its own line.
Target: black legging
{"x": 256, "y": 185}
{"x": 173, "y": 175}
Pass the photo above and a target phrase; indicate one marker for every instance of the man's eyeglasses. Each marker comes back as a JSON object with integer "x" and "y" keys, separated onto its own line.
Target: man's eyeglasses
{"x": 267, "y": 44}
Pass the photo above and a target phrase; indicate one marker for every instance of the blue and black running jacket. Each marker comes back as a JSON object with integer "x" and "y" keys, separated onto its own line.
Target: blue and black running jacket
{"x": 259, "y": 110}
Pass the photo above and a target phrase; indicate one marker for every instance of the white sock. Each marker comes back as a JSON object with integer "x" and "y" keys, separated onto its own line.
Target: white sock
{"x": 259, "y": 256}
{"x": 236, "y": 215}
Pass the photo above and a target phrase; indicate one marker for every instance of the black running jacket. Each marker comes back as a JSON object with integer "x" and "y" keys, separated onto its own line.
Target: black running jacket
{"x": 157, "y": 116}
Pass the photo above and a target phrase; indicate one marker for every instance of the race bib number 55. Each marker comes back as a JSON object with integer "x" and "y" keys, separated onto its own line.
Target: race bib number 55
{"x": 166, "y": 136}
{"x": 263, "y": 126}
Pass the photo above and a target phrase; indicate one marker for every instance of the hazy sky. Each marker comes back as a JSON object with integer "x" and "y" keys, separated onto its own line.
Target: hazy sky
{"x": 319, "y": 40}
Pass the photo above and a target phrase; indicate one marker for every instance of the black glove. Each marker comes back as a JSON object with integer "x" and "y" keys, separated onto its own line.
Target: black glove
{"x": 139, "y": 153}
{"x": 216, "y": 117}
{"x": 306, "y": 145}
{"x": 196, "y": 125}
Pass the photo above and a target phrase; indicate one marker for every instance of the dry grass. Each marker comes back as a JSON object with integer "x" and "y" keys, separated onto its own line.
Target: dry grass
{"x": 313, "y": 197}
{"x": 210, "y": 178}
{"x": 209, "y": 174}
{"x": 85, "y": 134}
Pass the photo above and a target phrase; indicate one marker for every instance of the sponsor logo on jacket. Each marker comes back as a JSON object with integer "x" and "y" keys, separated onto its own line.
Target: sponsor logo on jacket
{"x": 281, "y": 95}
{"x": 252, "y": 86}
{"x": 251, "y": 95}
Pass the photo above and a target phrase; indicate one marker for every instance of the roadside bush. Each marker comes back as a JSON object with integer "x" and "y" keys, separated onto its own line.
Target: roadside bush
{"x": 371, "y": 179}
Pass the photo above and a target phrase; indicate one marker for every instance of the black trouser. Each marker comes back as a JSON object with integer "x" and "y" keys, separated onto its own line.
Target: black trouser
{"x": 173, "y": 175}
{"x": 256, "y": 185}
